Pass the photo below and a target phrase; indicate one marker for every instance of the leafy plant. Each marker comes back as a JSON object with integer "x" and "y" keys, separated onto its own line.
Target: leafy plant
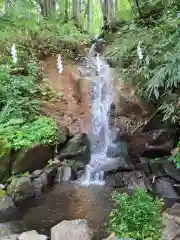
{"x": 22, "y": 134}
{"x": 137, "y": 216}
{"x": 157, "y": 74}
{"x": 175, "y": 157}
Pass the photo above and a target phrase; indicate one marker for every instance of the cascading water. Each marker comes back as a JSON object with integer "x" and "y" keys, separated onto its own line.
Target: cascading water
{"x": 102, "y": 96}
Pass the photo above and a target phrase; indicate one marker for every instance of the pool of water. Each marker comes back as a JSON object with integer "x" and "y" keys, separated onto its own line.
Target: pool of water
{"x": 66, "y": 202}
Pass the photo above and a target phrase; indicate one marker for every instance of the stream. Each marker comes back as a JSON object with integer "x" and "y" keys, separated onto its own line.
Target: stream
{"x": 66, "y": 202}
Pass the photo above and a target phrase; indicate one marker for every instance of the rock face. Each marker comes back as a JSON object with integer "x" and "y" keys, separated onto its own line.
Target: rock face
{"x": 20, "y": 189}
{"x": 32, "y": 235}
{"x": 164, "y": 188}
{"x": 156, "y": 143}
{"x": 31, "y": 159}
{"x": 77, "y": 148}
{"x": 72, "y": 230}
{"x": 10, "y": 228}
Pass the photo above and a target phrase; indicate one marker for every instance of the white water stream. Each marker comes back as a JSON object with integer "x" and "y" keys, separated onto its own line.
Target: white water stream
{"x": 102, "y": 97}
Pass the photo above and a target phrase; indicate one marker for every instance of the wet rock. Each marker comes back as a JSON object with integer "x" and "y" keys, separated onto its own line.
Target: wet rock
{"x": 136, "y": 179}
{"x": 6, "y": 204}
{"x": 144, "y": 165}
{"x": 113, "y": 165}
{"x": 11, "y": 237}
{"x": 128, "y": 180}
{"x": 117, "y": 150}
{"x": 51, "y": 172}
{"x": 40, "y": 183}
{"x": 72, "y": 230}
{"x": 64, "y": 173}
{"x": 163, "y": 167}
{"x": 20, "y": 189}
{"x": 120, "y": 135}
{"x": 36, "y": 174}
{"x": 172, "y": 229}
{"x": 77, "y": 148}
{"x": 156, "y": 143}
{"x": 164, "y": 188}
{"x": 31, "y": 159}
{"x": 10, "y": 228}
{"x": 32, "y": 235}
{"x": 115, "y": 180}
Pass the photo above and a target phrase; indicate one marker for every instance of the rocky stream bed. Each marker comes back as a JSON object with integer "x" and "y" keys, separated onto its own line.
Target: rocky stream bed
{"x": 42, "y": 199}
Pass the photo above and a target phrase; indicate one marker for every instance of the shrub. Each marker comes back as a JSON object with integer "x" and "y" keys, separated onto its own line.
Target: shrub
{"x": 137, "y": 216}
{"x": 157, "y": 74}
{"x": 175, "y": 157}
{"x": 22, "y": 134}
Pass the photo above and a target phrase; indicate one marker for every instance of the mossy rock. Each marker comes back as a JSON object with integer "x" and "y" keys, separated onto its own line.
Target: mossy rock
{"x": 2, "y": 193}
{"x": 4, "y": 168}
{"x": 20, "y": 189}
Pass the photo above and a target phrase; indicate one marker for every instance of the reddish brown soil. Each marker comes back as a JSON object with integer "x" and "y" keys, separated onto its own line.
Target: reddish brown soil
{"x": 67, "y": 110}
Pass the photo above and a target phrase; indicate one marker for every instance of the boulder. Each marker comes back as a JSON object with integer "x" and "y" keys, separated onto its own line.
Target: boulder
{"x": 117, "y": 150}
{"x": 72, "y": 230}
{"x": 172, "y": 229}
{"x": 10, "y": 228}
{"x": 172, "y": 223}
{"x": 77, "y": 148}
{"x": 163, "y": 187}
{"x": 128, "y": 180}
{"x": 156, "y": 143}
{"x": 20, "y": 189}
{"x": 32, "y": 235}
{"x": 163, "y": 167}
{"x": 31, "y": 159}
{"x": 113, "y": 165}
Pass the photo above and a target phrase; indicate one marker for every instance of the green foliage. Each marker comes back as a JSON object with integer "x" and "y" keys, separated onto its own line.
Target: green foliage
{"x": 157, "y": 74}
{"x": 5, "y": 147}
{"x": 175, "y": 157}
{"x": 20, "y": 123}
{"x": 24, "y": 134}
{"x": 2, "y": 193}
{"x": 137, "y": 216}
{"x": 37, "y": 37}
{"x": 19, "y": 93}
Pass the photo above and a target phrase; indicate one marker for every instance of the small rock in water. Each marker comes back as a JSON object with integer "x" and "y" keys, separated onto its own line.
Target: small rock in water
{"x": 164, "y": 189}
{"x": 72, "y": 230}
{"x": 32, "y": 235}
{"x": 10, "y": 228}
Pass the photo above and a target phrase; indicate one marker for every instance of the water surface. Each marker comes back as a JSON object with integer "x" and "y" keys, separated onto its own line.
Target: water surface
{"x": 67, "y": 202}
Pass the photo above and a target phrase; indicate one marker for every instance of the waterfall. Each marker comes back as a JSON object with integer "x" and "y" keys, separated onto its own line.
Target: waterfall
{"x": 102, "y": 96}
